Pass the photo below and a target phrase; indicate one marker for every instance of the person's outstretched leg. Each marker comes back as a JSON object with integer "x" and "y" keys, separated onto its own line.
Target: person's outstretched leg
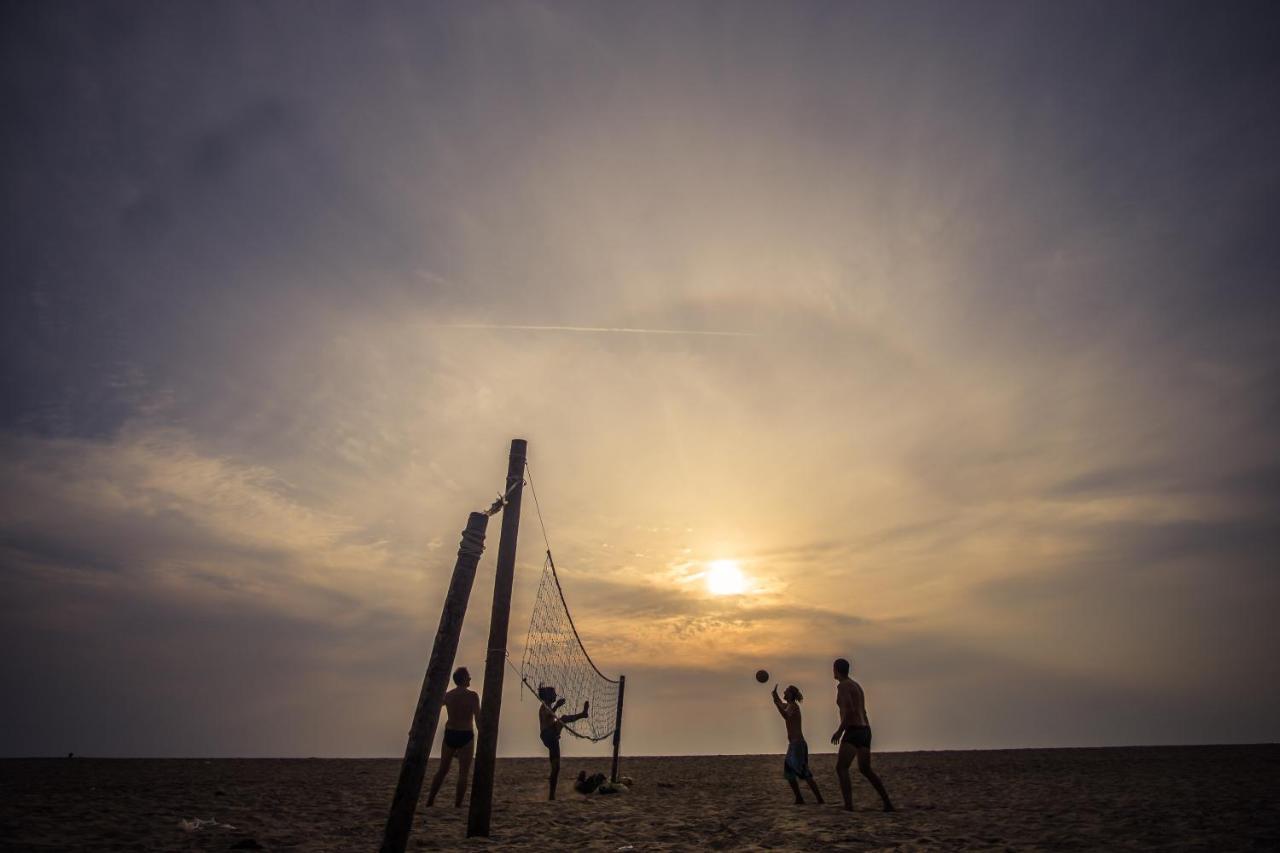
{"x": 446, "y": 758}
{"x": 464, "y": 771}
{"x": 844, "y": 758}
{"x": 795, "y": 789}
{"x": 864, "y": 767}
{"x": 813, "y": 786}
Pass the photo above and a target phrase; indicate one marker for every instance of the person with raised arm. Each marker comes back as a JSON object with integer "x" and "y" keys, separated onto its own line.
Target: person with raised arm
{"x": 550, "y": 726}
{"x": 796, "y": 765}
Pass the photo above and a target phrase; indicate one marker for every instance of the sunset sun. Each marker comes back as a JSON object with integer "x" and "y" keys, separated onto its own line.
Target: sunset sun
{"x": 724, "y": 577}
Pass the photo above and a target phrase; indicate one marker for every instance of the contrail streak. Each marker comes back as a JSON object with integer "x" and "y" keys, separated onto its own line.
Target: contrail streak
{"x": 596, "y": 330}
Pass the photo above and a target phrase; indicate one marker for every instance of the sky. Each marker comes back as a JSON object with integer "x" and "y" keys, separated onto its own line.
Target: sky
{"x": 992, "y": 406}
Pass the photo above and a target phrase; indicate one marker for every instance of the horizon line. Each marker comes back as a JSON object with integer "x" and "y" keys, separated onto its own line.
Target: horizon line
{"x": 541, "y": 756}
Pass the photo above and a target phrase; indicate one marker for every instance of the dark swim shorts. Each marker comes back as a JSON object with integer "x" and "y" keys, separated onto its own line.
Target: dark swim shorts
{"x": 457, "y": 738}
{"x": 551, "y": 740}
{"x": 858, "y": 736}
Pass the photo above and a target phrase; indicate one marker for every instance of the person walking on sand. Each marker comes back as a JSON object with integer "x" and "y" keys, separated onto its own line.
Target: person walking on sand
{"x": 549, "y": 727}
{"x": 462, "y": 705}
{"x": 796, "y": 764}
{"x": 854, "y": 735}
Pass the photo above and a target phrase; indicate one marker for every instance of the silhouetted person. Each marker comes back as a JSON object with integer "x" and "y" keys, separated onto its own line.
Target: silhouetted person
{"x": 462, "y": 705}
{"x": 796, "y": 764}
{"x": 549, "y": 726}
{"x": 854, "y": 735}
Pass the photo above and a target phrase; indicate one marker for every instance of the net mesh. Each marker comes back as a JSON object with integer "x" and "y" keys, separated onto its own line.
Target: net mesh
{"x": 554, "y": 656}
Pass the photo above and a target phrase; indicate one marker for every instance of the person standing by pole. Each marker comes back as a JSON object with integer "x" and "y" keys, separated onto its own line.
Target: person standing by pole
{"x": 436, "y": 681}
{"x": 463, "y": 704}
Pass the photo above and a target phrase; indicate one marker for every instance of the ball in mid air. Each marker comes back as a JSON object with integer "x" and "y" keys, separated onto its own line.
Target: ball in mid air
{"x": 762, "y": 675}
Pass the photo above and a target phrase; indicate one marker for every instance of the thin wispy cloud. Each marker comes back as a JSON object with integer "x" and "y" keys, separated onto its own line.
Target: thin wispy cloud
{"x": 596, "y": 330}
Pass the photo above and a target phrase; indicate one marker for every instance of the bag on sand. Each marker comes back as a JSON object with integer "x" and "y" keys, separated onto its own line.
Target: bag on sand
{"x": 588, "y": 784}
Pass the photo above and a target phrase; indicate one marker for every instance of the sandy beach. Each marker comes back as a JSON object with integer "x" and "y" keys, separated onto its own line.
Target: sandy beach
{"x": 1141, "y": 798}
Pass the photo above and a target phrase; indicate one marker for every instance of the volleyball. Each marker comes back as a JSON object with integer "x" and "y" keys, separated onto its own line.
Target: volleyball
{"x": 762, "y": 675}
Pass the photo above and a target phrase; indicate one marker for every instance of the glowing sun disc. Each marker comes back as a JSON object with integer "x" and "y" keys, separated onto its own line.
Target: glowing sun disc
{"x": 725, "y": 578}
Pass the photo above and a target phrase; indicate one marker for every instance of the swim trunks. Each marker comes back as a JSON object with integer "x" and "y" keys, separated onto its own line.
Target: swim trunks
{"x": 551, "y": 739}
{"x": 457, "y": 738}
{"x": 796, "y": 764}
{"x": 858, "y": 736}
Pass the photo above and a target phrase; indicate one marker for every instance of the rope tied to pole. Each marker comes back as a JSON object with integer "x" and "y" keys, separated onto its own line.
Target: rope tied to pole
{"x": 472, "y": 544}
{"x": 500, "y": 502}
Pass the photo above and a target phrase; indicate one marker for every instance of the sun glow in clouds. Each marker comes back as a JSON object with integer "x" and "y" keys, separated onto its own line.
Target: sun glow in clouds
{"x": 724, "y": 577}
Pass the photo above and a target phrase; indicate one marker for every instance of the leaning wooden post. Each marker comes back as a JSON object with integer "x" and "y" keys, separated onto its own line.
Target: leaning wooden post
{"x": 434, "y": 684}
{"x": 496, "y": 658}
{"x": 617, "y": 728}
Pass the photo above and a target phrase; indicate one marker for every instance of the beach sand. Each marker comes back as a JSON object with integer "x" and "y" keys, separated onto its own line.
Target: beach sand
{"x": 1140, "y": 798}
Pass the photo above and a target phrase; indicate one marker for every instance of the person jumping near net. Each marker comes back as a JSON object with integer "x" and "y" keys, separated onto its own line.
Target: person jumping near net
{"x": 462, "y": 705}
{"x": 550, "y": 725}
{"x": 854, "y": 735}
{"x": 796, "y": 764}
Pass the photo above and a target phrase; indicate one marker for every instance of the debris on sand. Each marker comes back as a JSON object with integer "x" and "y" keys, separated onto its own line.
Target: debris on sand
{"x": 196, "y": 824}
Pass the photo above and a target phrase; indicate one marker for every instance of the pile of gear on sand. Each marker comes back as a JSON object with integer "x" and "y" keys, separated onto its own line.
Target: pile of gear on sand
{"x": 598, "y": 783}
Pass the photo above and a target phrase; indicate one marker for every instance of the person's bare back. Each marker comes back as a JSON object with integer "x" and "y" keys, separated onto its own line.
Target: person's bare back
{"x": 462, "y": 704}
{"x": 852, "y": 703}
